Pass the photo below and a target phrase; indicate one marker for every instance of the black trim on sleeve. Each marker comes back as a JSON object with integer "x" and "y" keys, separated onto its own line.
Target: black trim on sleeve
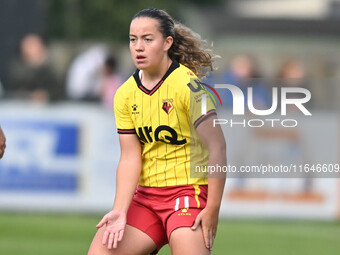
{"x": 203, "y": 117}
{"x": 126, "y": 131}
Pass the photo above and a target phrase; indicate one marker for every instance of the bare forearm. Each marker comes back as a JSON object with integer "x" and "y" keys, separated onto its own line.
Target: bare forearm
{"x": 216, "y": 181}
{"x": 215, "y": 192}
{"x": 126, "y": 183}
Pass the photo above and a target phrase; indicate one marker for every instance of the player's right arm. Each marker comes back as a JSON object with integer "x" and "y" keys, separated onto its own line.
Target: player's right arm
{"x": 128, "y": 172}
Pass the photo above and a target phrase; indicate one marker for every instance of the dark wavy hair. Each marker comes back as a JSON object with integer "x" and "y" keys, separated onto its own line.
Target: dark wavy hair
{"x": 188, "y": 47}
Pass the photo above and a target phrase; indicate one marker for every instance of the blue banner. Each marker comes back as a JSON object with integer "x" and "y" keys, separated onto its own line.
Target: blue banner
{"x": 40, "y": 156}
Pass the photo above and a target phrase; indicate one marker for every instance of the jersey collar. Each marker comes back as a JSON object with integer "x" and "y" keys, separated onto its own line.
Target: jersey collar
{"x": 172, "y": 67}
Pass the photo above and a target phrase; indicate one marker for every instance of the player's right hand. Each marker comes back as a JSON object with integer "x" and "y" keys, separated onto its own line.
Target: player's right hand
{"x": 114, "y": 222}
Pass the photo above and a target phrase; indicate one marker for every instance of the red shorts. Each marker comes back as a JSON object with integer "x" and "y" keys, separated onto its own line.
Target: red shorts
{"x": 159, "y": 211}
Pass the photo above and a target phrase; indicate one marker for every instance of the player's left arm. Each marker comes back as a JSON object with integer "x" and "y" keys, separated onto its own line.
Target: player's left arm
{"x": 214, "y": 140}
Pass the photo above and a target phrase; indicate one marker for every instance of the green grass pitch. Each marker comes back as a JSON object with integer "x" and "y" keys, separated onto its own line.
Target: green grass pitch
{"x": 46, "y": 234}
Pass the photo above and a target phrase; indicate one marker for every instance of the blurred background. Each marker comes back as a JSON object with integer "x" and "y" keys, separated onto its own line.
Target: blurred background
{"x": 61, "y": 62}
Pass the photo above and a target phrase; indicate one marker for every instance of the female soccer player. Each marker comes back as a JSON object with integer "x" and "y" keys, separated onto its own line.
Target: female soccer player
{"x": 2, "y": 143}
{"x": 155, "y": 110}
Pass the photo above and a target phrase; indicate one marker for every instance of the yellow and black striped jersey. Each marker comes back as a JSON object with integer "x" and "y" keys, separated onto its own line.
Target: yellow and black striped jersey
{"x": 163, "y": 119}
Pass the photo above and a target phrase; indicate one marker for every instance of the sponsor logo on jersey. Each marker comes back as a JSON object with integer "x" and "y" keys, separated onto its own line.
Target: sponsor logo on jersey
{"x": 196, "y": 86}
{"x": 135, "y": 109}
{"x": 168, "y": 105}
{"x": 162, "y": 133}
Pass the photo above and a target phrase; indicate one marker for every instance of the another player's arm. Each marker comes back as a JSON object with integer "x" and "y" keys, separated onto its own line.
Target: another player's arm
{"x": 214, "y": 140}
{"x": 2, "y": 143}
{"x": 128, "y": 172}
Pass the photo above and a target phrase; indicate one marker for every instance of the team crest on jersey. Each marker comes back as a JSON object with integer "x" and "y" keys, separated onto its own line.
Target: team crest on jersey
{"x": 167, "y": 105}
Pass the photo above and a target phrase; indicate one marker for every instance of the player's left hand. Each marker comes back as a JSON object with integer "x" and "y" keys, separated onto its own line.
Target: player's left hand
{"x": 208, "y": 218}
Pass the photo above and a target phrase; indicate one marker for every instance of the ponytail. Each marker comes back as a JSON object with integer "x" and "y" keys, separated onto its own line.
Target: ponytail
{"x": 190, "y": 50}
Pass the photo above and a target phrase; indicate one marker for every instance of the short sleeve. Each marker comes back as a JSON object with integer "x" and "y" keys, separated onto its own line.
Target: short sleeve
{"x": 123, "y": 119}
{"x": 200, "y": 100}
